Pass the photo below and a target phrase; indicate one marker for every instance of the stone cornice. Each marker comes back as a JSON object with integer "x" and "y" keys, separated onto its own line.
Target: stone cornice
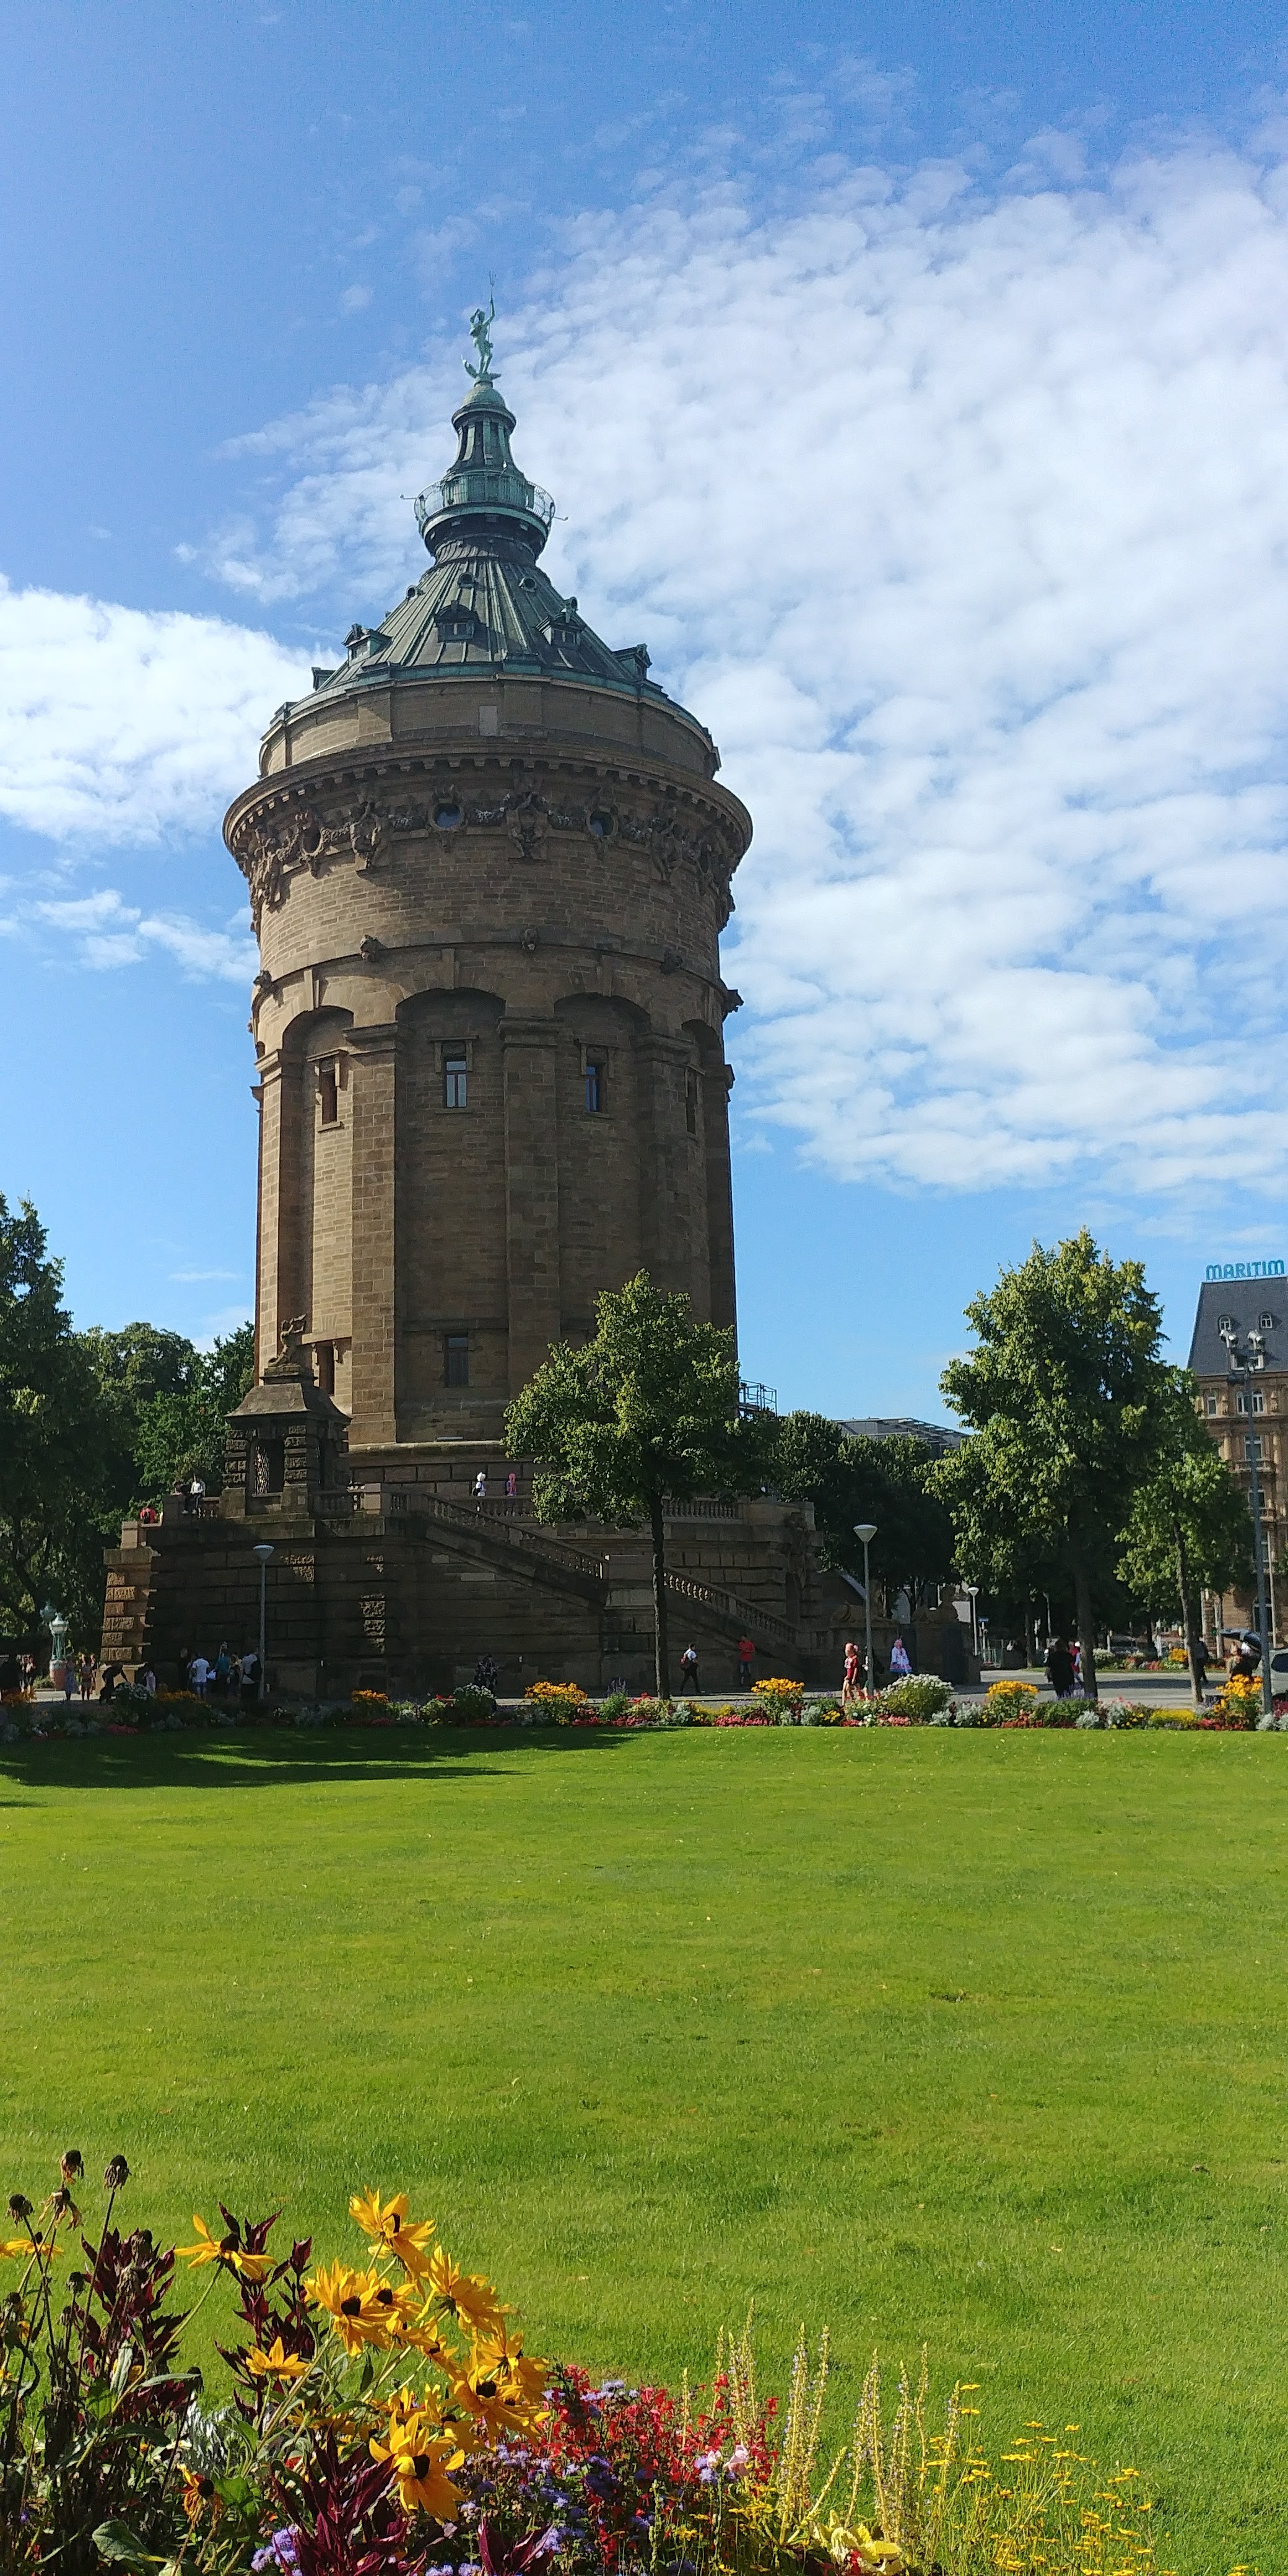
{"x": 288, "y": 824}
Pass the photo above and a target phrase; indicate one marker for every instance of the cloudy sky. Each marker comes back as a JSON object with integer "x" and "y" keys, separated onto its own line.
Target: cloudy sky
{"x": 913, "y": 380}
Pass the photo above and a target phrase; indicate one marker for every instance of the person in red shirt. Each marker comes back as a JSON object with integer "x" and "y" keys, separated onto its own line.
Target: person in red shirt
{"x": 746, "y": 1658}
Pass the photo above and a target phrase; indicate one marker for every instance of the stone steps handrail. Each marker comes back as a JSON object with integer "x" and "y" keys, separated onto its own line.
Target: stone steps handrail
{"x": 743, "y": 1615}
{"x": 527, "y": 1539}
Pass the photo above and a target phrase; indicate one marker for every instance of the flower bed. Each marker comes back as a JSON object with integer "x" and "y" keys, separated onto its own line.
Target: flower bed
{"x": 921, "y": 1699}
{"x": 386, "y": 2419}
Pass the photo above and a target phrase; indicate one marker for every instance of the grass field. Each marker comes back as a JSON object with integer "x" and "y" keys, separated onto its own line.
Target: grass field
{"x": 977, "y": 2039}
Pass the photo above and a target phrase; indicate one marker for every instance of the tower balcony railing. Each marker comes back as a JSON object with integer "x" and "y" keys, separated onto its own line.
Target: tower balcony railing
{"x": 484, "y": 487}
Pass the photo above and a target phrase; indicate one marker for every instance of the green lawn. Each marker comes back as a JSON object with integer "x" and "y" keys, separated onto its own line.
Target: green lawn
{"x": 971, "y": 2038}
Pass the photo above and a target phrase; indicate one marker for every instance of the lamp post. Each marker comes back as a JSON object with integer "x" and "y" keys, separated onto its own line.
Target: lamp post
{"x": 973, "y": 1589}
{"x": 262, "y": 1553}
{"x": 866, "y": 1531}
{"x": 1245, "y": 1364}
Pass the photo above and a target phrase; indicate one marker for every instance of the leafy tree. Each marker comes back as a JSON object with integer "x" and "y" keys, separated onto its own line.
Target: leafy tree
{"x": 56, "y": 1441}
{"x": 172, "y": 1402}
{"x": 182, "y": 1434}
{"x": 645, "y": 1411}
{"x": 1189, "y": 1528}
{"x": 1067, "y": 1394}
{"x": 883, "y": 1481}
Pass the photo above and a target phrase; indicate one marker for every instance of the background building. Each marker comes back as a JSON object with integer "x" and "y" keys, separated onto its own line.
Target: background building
{"x": 1241, "y": 1414}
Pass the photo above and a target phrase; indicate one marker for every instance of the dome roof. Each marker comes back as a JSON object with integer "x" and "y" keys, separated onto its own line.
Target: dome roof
{"x": 485, "y": 606}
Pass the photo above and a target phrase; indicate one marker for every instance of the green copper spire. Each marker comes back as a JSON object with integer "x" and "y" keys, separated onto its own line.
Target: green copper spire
{"x": 485, "y": 495}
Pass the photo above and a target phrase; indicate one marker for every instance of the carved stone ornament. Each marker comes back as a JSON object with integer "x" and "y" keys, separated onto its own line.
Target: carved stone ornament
{"x": 271, "y": 851}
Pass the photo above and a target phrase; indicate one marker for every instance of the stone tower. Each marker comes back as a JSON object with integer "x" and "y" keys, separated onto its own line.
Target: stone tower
{"x": 488, "y": 866}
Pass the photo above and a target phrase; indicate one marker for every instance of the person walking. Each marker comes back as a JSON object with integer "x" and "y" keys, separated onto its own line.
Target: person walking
{"x": 223, "y": 1669}
{"x": 689, "y": 1669}
{"x": 199, "y": 1675}
{"x": 851, "y": 1688}
{"x": 1060, "y": 1668}
{"x": 69, "y": 1679}
{"x": 746, "y": 1659}
{"x": 88, "y": 1668}
{"x": 511, "y": 1486}
{"x": 147, "y": 1681}
{"x": 249, "y": 1675}
{"x": 1201, "y": 1660}
{"x": 480, "y": 1486}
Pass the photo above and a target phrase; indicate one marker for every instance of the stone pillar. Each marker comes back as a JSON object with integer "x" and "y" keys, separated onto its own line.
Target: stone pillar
{"x": 372, "y": 1054}
{"x": 716, "y": 1087}
{"x": 672, "y": 1242}
{"x": 277, "y": 1285}
{"x": 531, "y": 1192}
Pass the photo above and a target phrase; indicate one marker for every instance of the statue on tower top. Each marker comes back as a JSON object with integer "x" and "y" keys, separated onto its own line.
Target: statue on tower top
{"x": 481, "y": 335}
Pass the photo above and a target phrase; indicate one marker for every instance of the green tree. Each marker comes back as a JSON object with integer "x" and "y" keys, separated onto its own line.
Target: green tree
{"x": 171, "y": 1402}
{"x": 1189, "y": 1528}
{"x": 1066, "y": 1394}
{"x": 57, "y": 1433}
{"x": 645, "y": 1411}
{"x": 884, "y": 1481}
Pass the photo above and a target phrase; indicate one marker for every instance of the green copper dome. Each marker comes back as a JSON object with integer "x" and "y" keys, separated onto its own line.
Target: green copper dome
{"x": 485, "y": 606}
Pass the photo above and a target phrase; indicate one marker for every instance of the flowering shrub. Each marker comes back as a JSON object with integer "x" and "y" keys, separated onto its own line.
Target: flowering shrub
{"x": 782, "y": 1698}
{"x": 1239, "y": 1703}
{"x": 565, "y": 1702}
{"x": 386, "y": 2420}
{"x": 912, "y": 1701}
{"x": 1011, "y": 1698}
{"x": 371, "y": 1701}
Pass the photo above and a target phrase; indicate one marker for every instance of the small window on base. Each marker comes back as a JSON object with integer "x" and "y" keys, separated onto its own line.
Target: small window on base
{"x": 594, "y": 1085}
{"x": 330, "y": 1090}
{"x": 1211, "y": 1404}
{"x": 456, "y": 1359}
{"x": 456, "y": 1078}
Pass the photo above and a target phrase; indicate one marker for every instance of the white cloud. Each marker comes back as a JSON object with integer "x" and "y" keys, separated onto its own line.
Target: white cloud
{"x": 965, "y": 525}
{"x": 103, "y": 930}
{"x": 127, "y": 723}
{"x": 355, "y": 299}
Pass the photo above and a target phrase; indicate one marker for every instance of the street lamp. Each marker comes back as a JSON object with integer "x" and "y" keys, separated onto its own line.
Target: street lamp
{"x": 1245, "y": 1364}
{"x": 973, "y": 1589}
{"x": 262, "y": 1553}
{"x": 866, "y": 1531}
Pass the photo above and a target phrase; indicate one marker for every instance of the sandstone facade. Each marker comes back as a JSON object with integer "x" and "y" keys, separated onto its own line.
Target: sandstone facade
{"x": 489, "y": 863}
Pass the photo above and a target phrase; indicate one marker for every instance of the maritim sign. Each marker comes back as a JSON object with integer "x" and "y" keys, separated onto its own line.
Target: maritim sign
{"x": 1245, "y": 1270}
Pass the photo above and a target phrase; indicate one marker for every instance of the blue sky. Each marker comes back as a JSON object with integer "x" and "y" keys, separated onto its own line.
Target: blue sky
{"x": 913, "y": 378}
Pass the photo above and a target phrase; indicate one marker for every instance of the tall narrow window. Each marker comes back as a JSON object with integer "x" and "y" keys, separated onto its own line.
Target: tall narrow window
{"x": 326, "y": 1367}
{"x": 1258, "y": 1400}
{"x": 456, "y": 1079}
{"x": 330, "y": 1090}
{"x": 594, "y": 1084}
{"x": 691, "y": 1103}
{"x": 456, "y": 1359}
{"x": 1211, "y": 1404}
{"x": 1241, "y": 1402}
{"x": 1252, "y": 1449}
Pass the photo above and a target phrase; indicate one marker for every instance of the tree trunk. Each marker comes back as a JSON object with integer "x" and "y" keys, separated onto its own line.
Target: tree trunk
{"x": 1086, "y": 1622}
{"x": 1189, "y": 1614}
{"x": 661, "y": 1656}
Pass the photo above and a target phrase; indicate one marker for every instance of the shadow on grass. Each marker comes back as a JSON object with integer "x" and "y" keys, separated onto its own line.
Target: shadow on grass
{"x": 286, "y": 1758}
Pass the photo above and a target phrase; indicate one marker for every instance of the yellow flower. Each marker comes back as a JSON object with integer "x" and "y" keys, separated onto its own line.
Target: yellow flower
{"x": 501, "y": 2387}
{"x": 421, "y": 2453}
{"x": 275, "y": 2363}
{"x": 363, "y": 2307}
{"x": 859, "y": 2550}
{"x": 223, "y": 2249}
{"x": 387, "y": 2223}
{"x": 464, "y": 2294}
{"x": 198, "y": 2492}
